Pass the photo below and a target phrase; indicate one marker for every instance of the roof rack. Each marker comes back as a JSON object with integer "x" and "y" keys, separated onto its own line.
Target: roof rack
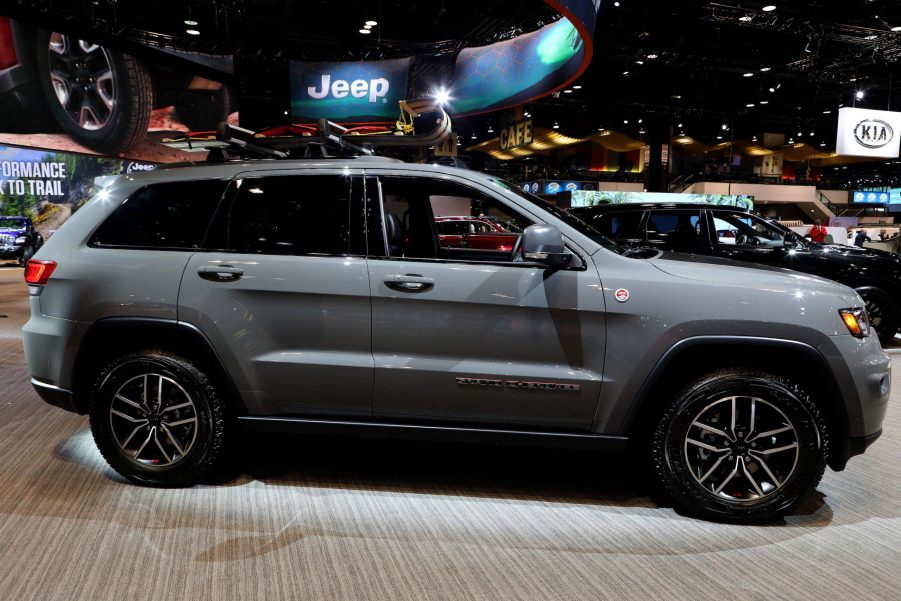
{"x": 325, "y": 139}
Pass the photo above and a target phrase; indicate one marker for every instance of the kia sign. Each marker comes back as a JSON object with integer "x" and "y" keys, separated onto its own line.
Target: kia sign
{"x": 364, "y": 91}
{"x": 868, "y": 133}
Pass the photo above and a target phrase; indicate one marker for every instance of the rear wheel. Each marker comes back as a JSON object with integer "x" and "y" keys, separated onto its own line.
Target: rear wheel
{"x": 883, "y": 311}
{"x": 158, "y": 420}
{"x": 740, "y": 446}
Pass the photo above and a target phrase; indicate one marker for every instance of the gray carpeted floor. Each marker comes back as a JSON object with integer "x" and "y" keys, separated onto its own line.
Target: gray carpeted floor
{"x": 352, "y": 519}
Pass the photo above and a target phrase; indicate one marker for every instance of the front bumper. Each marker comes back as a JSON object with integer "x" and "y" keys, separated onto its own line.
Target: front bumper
{"x": 54, "y": 395}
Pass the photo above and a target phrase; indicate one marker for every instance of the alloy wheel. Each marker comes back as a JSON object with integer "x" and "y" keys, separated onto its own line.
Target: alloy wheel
{"x": 741, "y": 448}
{"x": 81, "y": 74}
{"x": 154, "y": 420}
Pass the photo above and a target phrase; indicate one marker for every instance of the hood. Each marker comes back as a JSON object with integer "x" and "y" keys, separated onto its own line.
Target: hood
{"x": 726, "y": 271}
{"x": 856, "y": 252}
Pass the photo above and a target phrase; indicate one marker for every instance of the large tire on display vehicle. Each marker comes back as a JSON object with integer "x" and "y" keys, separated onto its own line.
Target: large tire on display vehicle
{"x": 101, "y": 98}
{"x": 158, "y": 419}
{"x": 883, "y": 311}
{"x": 740, "y": 445}
{"x": 202, "y": 110}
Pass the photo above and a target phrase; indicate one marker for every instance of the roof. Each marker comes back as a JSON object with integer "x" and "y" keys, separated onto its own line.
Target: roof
{"x": 613, "y": 207}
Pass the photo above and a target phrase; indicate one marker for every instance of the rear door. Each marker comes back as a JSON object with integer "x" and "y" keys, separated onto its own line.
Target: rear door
{"x": 283, "y": 294}
{"x": 464, "y": 335}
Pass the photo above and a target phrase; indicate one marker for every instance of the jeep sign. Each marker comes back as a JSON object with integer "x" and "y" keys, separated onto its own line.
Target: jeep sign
{"x": 868, "y": 133}
{"x": 363, "y": 91}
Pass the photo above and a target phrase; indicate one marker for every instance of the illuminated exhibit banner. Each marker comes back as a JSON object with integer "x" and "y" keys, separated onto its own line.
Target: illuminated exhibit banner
{"x": 583, "y": 198}
{"x": 890, "y": 196}
{"x": 868, "y": 133}
{"x": 486, "y": 78}
{"x": 47, "y": 186}
{"x": 361, "y": 91}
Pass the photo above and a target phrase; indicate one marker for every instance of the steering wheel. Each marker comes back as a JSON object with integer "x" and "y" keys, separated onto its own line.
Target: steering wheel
{"x": 514, "y": 254}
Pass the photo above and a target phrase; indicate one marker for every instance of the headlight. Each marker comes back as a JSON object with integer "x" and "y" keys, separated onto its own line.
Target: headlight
{"x": 20, "y": 240}
{"x": 856, "y": 321}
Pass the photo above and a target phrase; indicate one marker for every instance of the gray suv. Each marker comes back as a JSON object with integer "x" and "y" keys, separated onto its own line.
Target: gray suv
{"x": 180, "y": 305}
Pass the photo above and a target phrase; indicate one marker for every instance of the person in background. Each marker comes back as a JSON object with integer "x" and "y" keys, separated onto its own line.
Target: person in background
{"x": 817, "y": 233}
{"x": 860, "y": 238}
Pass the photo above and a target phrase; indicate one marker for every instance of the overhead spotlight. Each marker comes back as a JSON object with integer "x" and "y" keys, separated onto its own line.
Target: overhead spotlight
{"x": 725, "y": 127}
{"x": 371, "y": 23}
{"x": 719, "y": 137}
{"x": 822, "y": 143}
{"x": 652, "y": 57}
{"x": 896, "y": 28}
{"x": 859, "y": 94}
{"x": 490, "y": 129}
{"x": 442, "y": 96}
{"x": 641, "y": 131}
{"x": 640, "y": 120}
{"x": 800, "y": 134}
{"x": 768, "y": 8}
{"x": 871, "y": 37}
{"x": 556, "y": 125}
{"x": 616, "y": 4}
{"x": 625, "y": 122}
{"x": 577, "y": 87}
{"x": 746, "y": 18}
{"x": 190, "y": 22}
{"x": 676, "y": 97}
{"x": 749, "y": 75}
{"x": 192, "y": 32}
{"x": 764, "y": 102}
{"x": 749, "y": 105}
{"x": 625, "y": 73}
{"x": 567, "y": 91}
{"x": 764, "y": 69}
{"x": 365, "y": 31}
{"x": 639, "y": 62}
{"x": 754, "y": 139}
{"x": 473, "y": 136}
{"x": 811, "y": 134}
{"x": 772, "y": 89}
{"x": 826, "y": 112}
{"x": 679, "y": 126}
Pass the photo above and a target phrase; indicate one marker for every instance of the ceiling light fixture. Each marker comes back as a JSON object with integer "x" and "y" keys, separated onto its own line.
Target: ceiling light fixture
{"x": 749, "y": 105}
{"x": 639, "y": 62}
{"x": 625, "y": 73}
{"x": 746, "y": 18}
{"x": 371, "y": 23}
{"x": 577, "y": 87}
{"x": 190, "y": 22}
{"x": 365, "y": 31}
{"x": 652, "y": 57}
{"x": 749, "y": 75}
{"x": 567, "y": 91}
{"x": 859, "y": 94}
{"x": 896, "y": 28}
{"x": 764, "y": 69}
{"x": 768, "y": 8}
{"x": 772, "y": 89}
{"x": 192, "y": 32}
{"x": 764, "y": 102}
{"x": 556, "y": 125}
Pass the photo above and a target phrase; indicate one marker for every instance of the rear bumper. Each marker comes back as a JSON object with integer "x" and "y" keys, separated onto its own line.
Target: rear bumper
{"x": 54, "y": 395}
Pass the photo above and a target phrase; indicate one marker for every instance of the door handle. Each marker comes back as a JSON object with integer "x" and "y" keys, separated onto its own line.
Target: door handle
{"x": 220, "y": 273}
{"x": 411, "y": 282}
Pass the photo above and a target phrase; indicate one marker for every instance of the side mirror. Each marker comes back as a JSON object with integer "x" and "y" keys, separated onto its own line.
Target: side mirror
{"x": 544, "y": 244}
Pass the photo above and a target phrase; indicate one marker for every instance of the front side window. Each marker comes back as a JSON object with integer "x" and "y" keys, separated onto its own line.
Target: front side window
{"x": 745, "y": 230}
{"x": 172, "y": 215}
{"x": 289, "y": 215}
{"x": 436, "y": 219}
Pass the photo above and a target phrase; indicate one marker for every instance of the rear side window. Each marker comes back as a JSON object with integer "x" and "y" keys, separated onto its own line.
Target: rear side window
{"x": 618, "y": 225}
{"x": 170, "y": 215}
{"x": 290, "y": 215}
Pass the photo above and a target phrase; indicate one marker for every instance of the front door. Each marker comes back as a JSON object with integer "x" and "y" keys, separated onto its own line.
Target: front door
{"x": 466, "y": 335}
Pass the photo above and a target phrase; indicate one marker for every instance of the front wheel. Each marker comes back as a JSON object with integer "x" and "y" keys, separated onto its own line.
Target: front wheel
{"x": 883, "y": 311}
{"x": 740, "y": 445}
{"x": 158, "y": 420}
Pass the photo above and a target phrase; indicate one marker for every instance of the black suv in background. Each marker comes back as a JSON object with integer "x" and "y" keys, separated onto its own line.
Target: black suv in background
{"x": 735, "y": 233}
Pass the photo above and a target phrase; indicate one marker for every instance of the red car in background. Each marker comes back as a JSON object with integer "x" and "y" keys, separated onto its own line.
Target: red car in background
{"x": 479, "y": 233}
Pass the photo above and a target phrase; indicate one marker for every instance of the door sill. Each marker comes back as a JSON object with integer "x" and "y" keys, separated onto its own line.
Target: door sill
{"x": 599, "y": 442}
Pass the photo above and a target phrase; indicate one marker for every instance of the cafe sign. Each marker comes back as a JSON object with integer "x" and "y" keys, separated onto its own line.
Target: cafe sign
{"x": 516, "y": 135}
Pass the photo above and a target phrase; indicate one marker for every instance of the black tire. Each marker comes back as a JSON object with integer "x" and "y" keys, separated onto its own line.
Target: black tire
{"x": 125, "y": 124}
{"x": 204, "y": 111}
{"x": 169, "y": 429}
{"x": 27, "y": 253}
{"x": 883, "y": 311}
{"x": 779, "y": 485}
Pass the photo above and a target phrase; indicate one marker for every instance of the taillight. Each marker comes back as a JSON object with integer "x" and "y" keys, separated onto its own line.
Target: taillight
{"x": 8, "y": 56}
{"x": 37, "y": 273}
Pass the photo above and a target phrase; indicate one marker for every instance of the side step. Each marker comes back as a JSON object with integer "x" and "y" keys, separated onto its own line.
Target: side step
{"x": 597, "y": 442}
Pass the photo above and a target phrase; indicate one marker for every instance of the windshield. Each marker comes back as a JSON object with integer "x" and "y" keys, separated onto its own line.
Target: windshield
{"x": 12, "y": 223}
{"x": 568, "y": 218}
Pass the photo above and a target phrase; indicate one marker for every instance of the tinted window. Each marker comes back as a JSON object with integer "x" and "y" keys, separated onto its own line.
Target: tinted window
{"x": 682, "y": 231}
{"x": 290, "y": 215}
{"x": 747, "y": 230}
{"x": 618, "y": 225}
{"x": 171, "y": 215}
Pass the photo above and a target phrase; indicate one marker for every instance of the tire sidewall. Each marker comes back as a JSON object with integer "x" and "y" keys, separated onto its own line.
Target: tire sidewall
{"x": 676, "y": 475}
{"x": 205, "y": 448}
